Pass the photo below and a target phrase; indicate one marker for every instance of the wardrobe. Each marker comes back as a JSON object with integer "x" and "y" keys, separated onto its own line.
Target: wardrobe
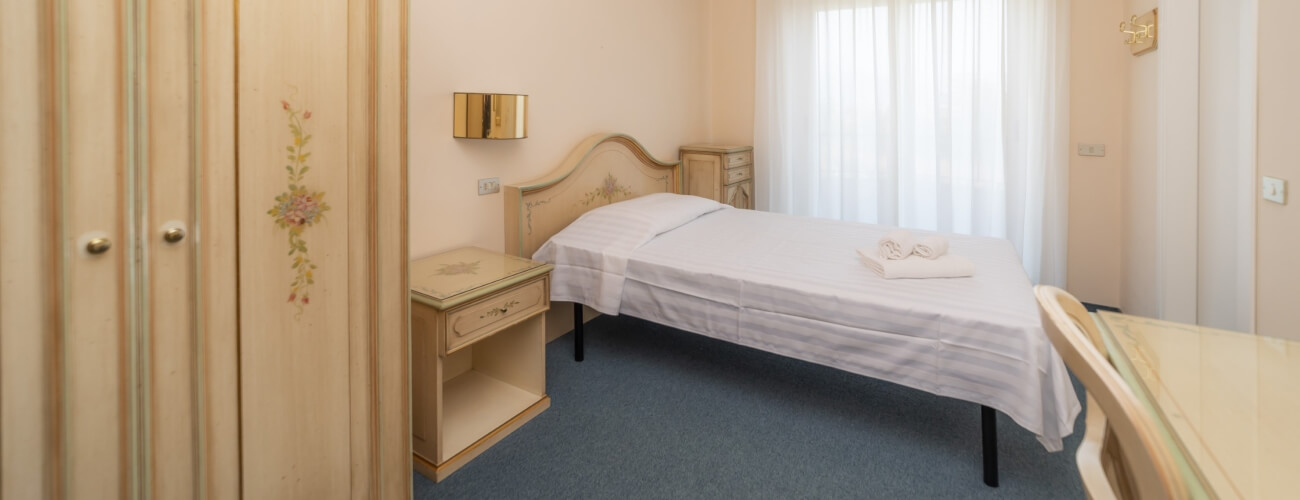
{"x": 203, "y": 249}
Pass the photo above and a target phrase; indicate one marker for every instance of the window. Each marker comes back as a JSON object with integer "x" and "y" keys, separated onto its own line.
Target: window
{"x": 944, "y": 115}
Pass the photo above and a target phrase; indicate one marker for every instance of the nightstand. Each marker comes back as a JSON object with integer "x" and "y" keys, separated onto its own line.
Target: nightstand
{"x": 478, "y": 359}
{"x": 719, "y": 172}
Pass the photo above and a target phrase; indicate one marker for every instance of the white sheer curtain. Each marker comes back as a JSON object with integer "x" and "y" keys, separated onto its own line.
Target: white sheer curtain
{"x": 947, "y": 115}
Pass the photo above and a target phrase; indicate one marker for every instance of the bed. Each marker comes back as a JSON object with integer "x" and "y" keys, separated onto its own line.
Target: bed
{"x": 791, "y": 286}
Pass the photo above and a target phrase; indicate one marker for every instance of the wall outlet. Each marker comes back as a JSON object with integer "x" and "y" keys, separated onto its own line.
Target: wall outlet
{"x": 1092, "y": 149}
{"x": 1274, "y": 189}
{"x": 489, "y": 186}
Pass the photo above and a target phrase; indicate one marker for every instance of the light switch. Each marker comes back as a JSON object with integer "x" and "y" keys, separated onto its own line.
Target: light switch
{"x": 1274, "y": 189}
{"x": 489, "y": 185}
{"x": 1092, "y": 149}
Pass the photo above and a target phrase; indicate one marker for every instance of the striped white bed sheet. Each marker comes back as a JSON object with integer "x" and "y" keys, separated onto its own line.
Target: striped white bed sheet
{"x": 794, "y": 286}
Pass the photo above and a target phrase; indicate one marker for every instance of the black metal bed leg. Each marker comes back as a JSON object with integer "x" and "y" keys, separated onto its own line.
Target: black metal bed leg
{"x": 989, "y": 421}
{"x": 577, "y": 331}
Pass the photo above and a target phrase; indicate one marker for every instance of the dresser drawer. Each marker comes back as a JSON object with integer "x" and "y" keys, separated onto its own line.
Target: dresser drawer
{"x": 490, "y": 314}
{"x": 738, "y": 159}
{"x": 738, "y": 174}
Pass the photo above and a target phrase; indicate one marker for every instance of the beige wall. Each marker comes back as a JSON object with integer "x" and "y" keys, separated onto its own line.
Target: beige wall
{"x": 1138, "y": 182}
{"x": 1185, "y": 188}
{"x": 1278, "y": 243}
{"x": 589, "y": 66}
{"x": 732, "y": 50}
{"x": 1098, "y": 101}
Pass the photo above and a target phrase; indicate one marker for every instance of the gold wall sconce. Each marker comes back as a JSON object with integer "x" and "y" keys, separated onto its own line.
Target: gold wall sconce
{"x": 490, "y": 116}
{"x": 1141, "y": 31}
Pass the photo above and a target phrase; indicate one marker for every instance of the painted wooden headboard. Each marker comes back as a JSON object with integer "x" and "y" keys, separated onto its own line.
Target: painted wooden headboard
{"x": 603, "y": 169}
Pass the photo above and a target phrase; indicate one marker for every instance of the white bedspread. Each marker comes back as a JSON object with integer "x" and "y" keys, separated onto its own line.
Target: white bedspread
{"x": 795, "y": 286}
{"x": 591, "y": 255}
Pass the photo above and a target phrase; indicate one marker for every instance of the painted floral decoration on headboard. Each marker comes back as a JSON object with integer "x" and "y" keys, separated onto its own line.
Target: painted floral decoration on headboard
{"x": 607, "y": 191}
{"x": 298, "y": 208}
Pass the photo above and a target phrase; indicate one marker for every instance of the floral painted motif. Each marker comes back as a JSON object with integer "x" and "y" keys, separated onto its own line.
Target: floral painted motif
{"x": 607, "y": 191}
{"x": 494, "y": 312}
{"x": 298, "y": 208}
{"x": 529, "y": 212}
{"x": 458, "y": 268}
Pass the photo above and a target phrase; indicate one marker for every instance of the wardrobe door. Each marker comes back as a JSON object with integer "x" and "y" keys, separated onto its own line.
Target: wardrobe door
{"x": 169, "y": 371}
{"x": 117, "y": 359}
{"x": 68, "y": 314}
{"x": 183, "y": 107}
{"x": 321, "y": 199}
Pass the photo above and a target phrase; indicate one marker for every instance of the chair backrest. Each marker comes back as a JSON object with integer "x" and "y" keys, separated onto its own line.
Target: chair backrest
{"x": 1083, "y": 321}
{"x": 1148, "y": 464}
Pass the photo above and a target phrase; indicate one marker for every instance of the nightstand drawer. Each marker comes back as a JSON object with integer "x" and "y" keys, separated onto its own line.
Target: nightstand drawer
{"x": 738, "y": 174}
{"x": 494, "y": 312}
{"x": 738, "y": 159}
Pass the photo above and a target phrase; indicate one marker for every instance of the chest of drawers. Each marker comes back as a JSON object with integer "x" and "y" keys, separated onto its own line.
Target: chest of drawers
{"x": 720, "y": 172}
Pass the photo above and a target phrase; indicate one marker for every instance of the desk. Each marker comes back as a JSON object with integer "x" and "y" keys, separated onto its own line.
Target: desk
{"x": 1228, "y": 402}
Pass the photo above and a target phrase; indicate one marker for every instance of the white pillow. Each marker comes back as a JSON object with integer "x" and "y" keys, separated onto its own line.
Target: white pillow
{"x": 655, "y": 213}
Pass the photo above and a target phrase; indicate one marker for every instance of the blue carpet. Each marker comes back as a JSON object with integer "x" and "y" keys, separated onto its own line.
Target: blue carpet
{"x": 655, "y": 412}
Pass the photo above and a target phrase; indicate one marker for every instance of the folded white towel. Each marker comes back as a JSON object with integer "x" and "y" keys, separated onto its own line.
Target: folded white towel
{"x": 896, "y": 245}
{"x": 947, "y": 266}
{"x": 931, "y": 247}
